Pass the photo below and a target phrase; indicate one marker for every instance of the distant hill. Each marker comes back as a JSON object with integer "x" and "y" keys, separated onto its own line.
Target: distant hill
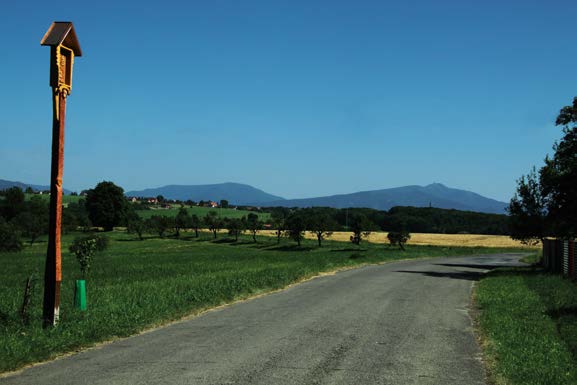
{"x": 235, "y": 193}
{"x": 435, "y": 195}
{"x": 6, "y": 184}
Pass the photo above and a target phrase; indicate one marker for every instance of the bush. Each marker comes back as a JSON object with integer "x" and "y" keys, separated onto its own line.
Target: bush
{"x": 399, "y": 238}
{"x": 85, "y": 247}
{"x": 102, "y": 241}
{"x": 9, "y": 237}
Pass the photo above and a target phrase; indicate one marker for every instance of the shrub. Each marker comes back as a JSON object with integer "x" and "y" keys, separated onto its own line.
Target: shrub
{"x": 85, "y": 247}
{"x": 399, "y": 238}
{"x": 102, "y": 241}
{"x": 9, "y": 237}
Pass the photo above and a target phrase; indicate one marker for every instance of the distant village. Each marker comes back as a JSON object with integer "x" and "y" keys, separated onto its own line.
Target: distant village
{"x": 160, "y": 202}
{"x": 168, "y": 203}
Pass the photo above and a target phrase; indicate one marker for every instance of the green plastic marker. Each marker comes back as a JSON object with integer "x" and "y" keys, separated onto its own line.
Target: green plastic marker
{"x": 80, "y": 294}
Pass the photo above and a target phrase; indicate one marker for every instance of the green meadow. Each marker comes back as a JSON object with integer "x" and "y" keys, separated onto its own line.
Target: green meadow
{"x": 135, "y": 285}
{"x": 201, "y": 212}
{"x": 528, "y": 323}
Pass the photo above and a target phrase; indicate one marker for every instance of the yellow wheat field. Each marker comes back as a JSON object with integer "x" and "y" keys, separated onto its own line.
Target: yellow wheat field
{"x": 465, "y": 240}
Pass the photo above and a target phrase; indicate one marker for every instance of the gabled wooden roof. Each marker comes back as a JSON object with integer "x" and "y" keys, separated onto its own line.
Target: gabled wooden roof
{"x": 62, "y": 32}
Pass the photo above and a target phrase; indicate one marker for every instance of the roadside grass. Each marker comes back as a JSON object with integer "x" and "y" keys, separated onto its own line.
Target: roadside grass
{"x": 532, "y": 259}
{"x": 201, "y": 212}
{"x": 528, "y": 324}
{"x": 136, "y": 285}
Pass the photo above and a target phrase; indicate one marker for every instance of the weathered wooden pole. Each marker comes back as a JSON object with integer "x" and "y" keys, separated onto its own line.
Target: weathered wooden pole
{"x": 53, "y": 268}
{"x": 63, "y": 43}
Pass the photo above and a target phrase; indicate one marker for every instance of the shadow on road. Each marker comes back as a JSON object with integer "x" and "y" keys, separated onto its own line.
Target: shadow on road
{"x": 470, "y": 275}
{"x": 463, "y": 275}
{"x": 483, "y": 267}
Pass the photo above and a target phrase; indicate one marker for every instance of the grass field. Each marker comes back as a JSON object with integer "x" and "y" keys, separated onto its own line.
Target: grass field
{"x": 201, "y": 212}
{"x": 136, "y": 285}
{"x": 66, "y": 199}
{"x": 528, "y": 322}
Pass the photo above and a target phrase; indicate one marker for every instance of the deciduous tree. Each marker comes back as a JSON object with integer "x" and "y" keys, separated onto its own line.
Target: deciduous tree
{"x": 181, "y": 221}
{"x": 398, "y": 238}
{"x": 213, "y": 222}
{"x": 195, "y": 224}
{"x": 9, "y": 237}
{"x": 547, "y": 206}
{"x": 135, "y": 224}
{"x": 253, "y": 224}
{"x": 296, "y": 227}
{"x": 107, "y": 207}
{"x": 320, "y": 223}
{"x": 527, "y": 212}
{"x": 235, "y": 227}
{"x": 159, "y": 224}
{"x": 278, "y": 223}
{"x": 13, "y": 203}
{"x": 558, "y": 177}
{"x": 360, "y": 226}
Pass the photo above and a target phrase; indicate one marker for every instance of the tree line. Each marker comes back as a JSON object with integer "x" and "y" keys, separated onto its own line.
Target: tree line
{"x": 545, "y": 201}
{"x": 22, "y": 218}
{"x": 105, "y": 206}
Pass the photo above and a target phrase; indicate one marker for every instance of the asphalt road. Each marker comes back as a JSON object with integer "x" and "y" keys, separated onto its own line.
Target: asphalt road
{"x": 399, "y": 323}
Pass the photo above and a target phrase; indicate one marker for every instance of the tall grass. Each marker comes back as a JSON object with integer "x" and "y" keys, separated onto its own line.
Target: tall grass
{"x": 136, "y": 285}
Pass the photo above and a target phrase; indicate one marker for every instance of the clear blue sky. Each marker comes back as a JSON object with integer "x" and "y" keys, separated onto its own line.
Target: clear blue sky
{"x": 298, "y": 98}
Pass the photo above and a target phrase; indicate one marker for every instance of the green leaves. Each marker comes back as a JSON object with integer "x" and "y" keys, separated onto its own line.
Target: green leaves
{"x": 399, "y": 238}
{"x": 107, "y": 207}
{"x": 84, "y": 249}
{"x": 545, "y": 205}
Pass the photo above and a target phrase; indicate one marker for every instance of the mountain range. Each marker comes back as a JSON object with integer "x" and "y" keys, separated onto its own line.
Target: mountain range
{"x": 6, "y": 184}
{"x": 434, "y": 195}
{"x": 235, "y": 193}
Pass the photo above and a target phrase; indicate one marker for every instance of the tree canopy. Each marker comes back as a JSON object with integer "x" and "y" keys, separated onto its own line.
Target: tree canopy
{"x": 546, "y": 205}
{"x": 106, "y": 205}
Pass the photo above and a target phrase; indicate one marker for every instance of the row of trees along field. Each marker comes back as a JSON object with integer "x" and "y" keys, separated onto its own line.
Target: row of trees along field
{"x": 106, "y": 207}
{"x": 545, "y": 203}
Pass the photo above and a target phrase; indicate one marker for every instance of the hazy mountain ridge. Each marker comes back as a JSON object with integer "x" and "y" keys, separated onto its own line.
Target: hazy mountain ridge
{"x": 6, "y": 184}
{"x": 235, "y": 193}
{"x": 435, "y": 195}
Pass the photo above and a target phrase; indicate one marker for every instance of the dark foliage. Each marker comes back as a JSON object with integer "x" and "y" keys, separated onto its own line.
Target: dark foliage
{"x": 547, "y": 206}
{"x": 107, "y": 207}
{"x": 399, "y": 238}
{"x": 9, "y": 237}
